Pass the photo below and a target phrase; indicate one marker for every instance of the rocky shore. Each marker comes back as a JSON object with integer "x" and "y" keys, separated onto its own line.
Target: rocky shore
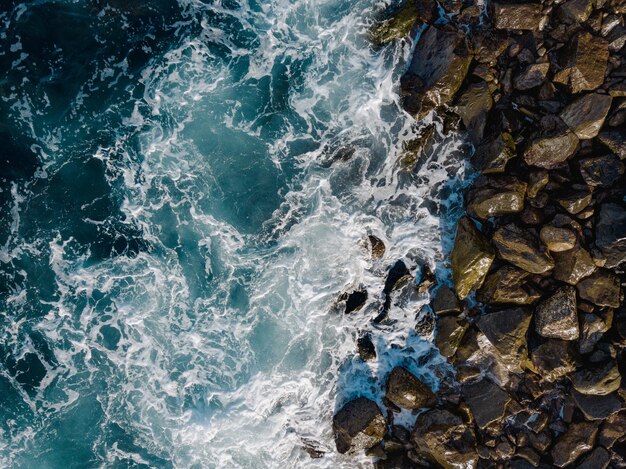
{"x": 535, "y": 322}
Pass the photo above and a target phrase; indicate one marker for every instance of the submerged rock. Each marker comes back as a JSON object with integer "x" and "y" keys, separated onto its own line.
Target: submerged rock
{"x": 556, "y": 317}
{"x": 597, "y": 381}
{"x": 610, "y": 231}
{"x": 506, "y": 285}
{"x": 486, "y": 401}
{"x": 495, "y": 196}
{"x": 521, "y": 249}
{"x": 551, "y": 151}
{"x": 358, "y": 425}
{"x": 601, "y": 288}
{"x": 585, "y": 63}
{"x": 405, "y": 390}
{"x": 471, "y": 258}
{"x": 579, "y": 439}
{"x": 585, "y": 115}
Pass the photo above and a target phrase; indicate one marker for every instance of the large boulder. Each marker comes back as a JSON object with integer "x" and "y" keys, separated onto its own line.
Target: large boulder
{"x": 358, "y": 425}
{"x": 601, "y": 288}
{"x": 585, "y": 63}
{"x": 550, "y": 151}
{"x": 556, "y": 317}
{"x": 585, "y": 115}
{"x": 472, "y": 107}
{"x": 517, "y": 16}
{"x": 578, "y": 440}
{"x": 573, "y": 265}
{"x": 506, "y": 330}
{"x": 495, "y": 196}
{"x": 439, "y": 65}
{"x": 522, "y": 249}
{"x": 597, "y": 381}
{"x": 507, "y": 285}
{"x": 596, "y": 407}
{"x": 471, "y": 258}
{"x": 405, "y": 390}
{"x": 486, "y": 401}
{"x": 443, "y": 438}
{"x": 493, "y": 154}
{"x": 610, "y": 231}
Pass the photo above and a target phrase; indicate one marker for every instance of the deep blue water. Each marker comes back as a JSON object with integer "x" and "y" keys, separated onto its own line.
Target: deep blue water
{"x": 185, "y": 187}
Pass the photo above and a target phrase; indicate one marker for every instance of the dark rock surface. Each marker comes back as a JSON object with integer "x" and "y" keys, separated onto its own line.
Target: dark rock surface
{"x": 471, "y": 258}
{"x": 358, "y": 425}
{"x": 556, "y": 317}
{"x": 521, "y": 249}
{"x": 486, "y": 401}
{"x": 405, "y": 390}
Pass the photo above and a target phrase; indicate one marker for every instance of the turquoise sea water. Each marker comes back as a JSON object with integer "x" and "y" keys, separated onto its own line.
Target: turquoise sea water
{"x": 185, "y": 188}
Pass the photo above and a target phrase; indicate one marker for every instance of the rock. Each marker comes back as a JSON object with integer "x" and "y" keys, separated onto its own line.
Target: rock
{"x": 597, "y": 381}
{"x": 471, "y": 258}
{"x": 537, "y": 180}
{"x": 493, "y": 155}
{"x": 517, "y": 16}
{"x": 531, "y": 77}
{"x": 366, "y": 348}
{"x": 354, "y": 300}
{"x": 597, "y": 407}
{"x": 506, "y": 330}
{"x": 557, "y": 239}
{"x": 599, "y": 458}
{"x": 413, "y": 149}
{"x": 507, "y": 285}
{"x": 358, "y": 425}
{"x": 550, "y": 152}
{"x": 402, "y": 22}
{"x": 603, "y": 171}
{"x": 495, "y": 196}
{"x": 521, "y": 249}
{"x": 585, "y": 63}
{"x": 572, "y": 266}
{"x": 443, "y": 438}
{"x": 585, "y": 115}
{"x": 613, "y": 429}
{"x": 433, "y": 78}
{"x": 377, "y": 247}
{"x": 614, "y": 140}
{"x": 405, "y": 390}
{"x": 593, "y": 328}
{"x": 472, "y": 106}
{"x": 445, "y": 301}
{"x": 425, "y": 324}
{"x": 575, "y": 201}
{"x": 610, "y": 232}
{"x": 601, "y": 288}
{"x": 553, "y": 359}
{"x": 556, "y": 317}
{"x": 486, "y": 401}
{"x": 396, "y": 276}
{"x": 578, "y": 440}
{"x": 575, "y": 11}
{"x": 450, "y": 331}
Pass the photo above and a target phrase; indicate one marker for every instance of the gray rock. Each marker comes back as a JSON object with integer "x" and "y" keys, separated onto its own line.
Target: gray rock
{"x": 585, "y": 114}
{"x": 556, "y": 317}
{"x": 450, "y": 331}
{"x": 445, "y": 301}
{"x": 551, "y": 151}
{"x": 493, "y": 155}
{"x": 472, "y": 106}
{"x": 599, "y": 458}
{"x": 531, "y": 77}
{"x": 578, "y": 440}
{"x": 597, "y": 381}
{"x": 486, "y": 401}
{"x": 521, "y": 249}
{"x": 471, "y": 258}
{"x": 405, "y": 390}
{"x": 593, "y": 327}
{"x": 358, "y": 425}
{"x": 517, "y": 16}
{"x": 610, "y": 232}
{"x": 506, "y": 330}
{"x": 601, "y": 288}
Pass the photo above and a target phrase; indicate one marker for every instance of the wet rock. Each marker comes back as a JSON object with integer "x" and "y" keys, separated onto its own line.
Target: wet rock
{"x": 553, "y": 359}
{"x": 557, "y": 239}
{"x": 531, "y": 77}
{"x": 402, "y": 21}
{"x": 439, "y": 65}
{"x": 549, "y": 152}
{"x": 354, "y": 300}
{"x": 593, "y": 327}
{"x": 472, "y": 106}
{"x": 574, "y": 265}
{"x": 613, "y": 429}
{"x": 575, "y": 11}
{"x": 603, "y": 171}
{"x": 494, "y": 197}
{"x": 445, "y": 301}
{"x": 486, "y": 401}
{"x": 506, "y": 330}
{"x": 507, "y": 285}
{"x": 556, "y": 317}
{"x": 614, "y": 140}
{"x": 597, "y": 407}
{"x": 471, "y": 258}
{"x": 599, "y": 458}
{"x": 405, "y": 390}
{"x": 521, "y": 249}
{"x": 517, "y": 16}
{"x": 578, "y": 440}
{"x": 610, "y": 231}
{"x": 414, "y": 148}
{"x": 425, "y": 324}
{"x": 358, "y": 425}
{"x": 575, "y": 201}
{"x": 601, "y": 288}
{"x": 537, "y": 180}
{"x": 443, "y": 438}
{"x": 365, "y": 347}
{"x": 397, "y": 274}
{"x": 597, "y": 381}
{"x": 585, "y": 115}
{"x": 493, "y": 155}
{"x": 585, "y": 63}
{"x": 450, "y": 331}
{"x": 377, "y": 247}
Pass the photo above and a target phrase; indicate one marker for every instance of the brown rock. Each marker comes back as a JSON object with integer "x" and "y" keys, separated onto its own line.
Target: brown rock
{"x": 471, "y": 258}
{"x": 556, "y": 317}
{"x": 521, "y": 249}
{"x": 493, "y": 155}
{"x": 405, "y": 390}
{"x": 601, "y": 171}
{"x": 358, "y": 425}
{"x": 550, "y": 152}
{"x": 495, "y": 196}
{"x": 553, "y": 359}
{"x": 599, "y": 458}
{"x": 601, "y": 288}
{"x": 597, "y": 381}
{"x": 575, "y": 201}
{"x": 506, "y": 330}
{"x": 572, "y": 266}
{"x": 450, "y": 331}
{"x": 507, "y": 285}
{"x": 575, "y": 11}
{"x": 585, "y": 114}
{"x": 610, "y": 232}
{"x": 531, "y": 77}
{"x": 517, "y": 16}
{"x": 486, "y": 401}
{"x": 585, "y": 63}
{"x": 613, "y": 429}
{"x": 366, "y": 348}
{"x": 557, "y": 239}
{"x": 377, "y": 247}
{"x": 593, "y": 327}
{"x": 472, "y": 106}
{"x": 579, "y": 439}
{"x": 445, "y": 301}
{"x": 614, "y": 140}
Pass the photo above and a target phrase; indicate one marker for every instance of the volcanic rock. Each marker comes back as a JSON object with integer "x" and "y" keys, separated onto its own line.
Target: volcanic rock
{"x": 532, "y": 76}
{"x": 358, "y": 425}
{"x": 405, "y": 390}
{"x": 450, "y": 331}
{"x": 495, "y": 196}
{"x": 553, "y": 359}
{"x": 601, "y": 288}
{"x": 517, "y": 16}
{"x": 597, "y": 381}
{"x": 486, "y": 401}
{"x": 471, "y": 258}
{"x": 549, "y": 152}
{"x": 597, "y": 407}
{"x": 585, "y": 115}
{"x": 578, "y": 440}
{"x": 610, "y": 231}
{"x": 557, "y": 239}
{"x": 585, "y": 63}
{"x": 445, "y": 301}
{"x": 493, "y": 155}
{"x": 521, "y": 249}
{"x": 507, "y": 285}
{"x": 472, "y": 106}
{"x": 506, "y": 330}
{"x": 556, "y": 317}
{"x": 601, "y": 171}
{"x": 572, "y": 266}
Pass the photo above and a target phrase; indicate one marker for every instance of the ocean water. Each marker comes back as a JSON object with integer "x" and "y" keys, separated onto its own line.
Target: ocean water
{"x": 185, "y": 190}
